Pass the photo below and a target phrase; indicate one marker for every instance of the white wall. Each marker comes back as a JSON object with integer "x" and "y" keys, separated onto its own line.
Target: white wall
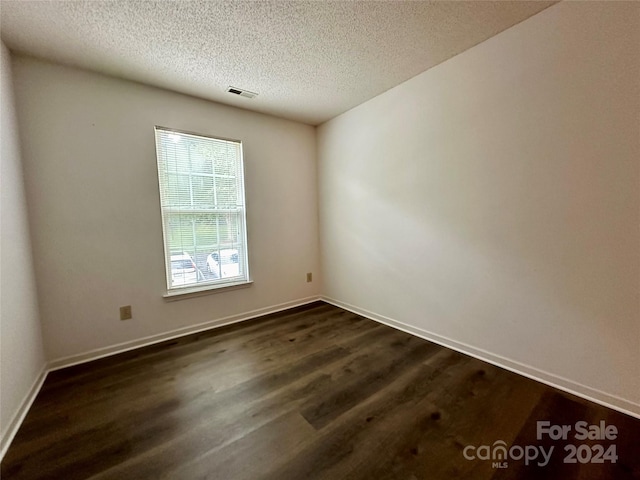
{"x": 493, "y": 202}
{"x": 91, "y": 177}
{"x": 21, "y": 353}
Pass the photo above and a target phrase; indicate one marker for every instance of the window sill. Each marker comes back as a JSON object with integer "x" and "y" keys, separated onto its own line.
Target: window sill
{"x": 185, "y": 293}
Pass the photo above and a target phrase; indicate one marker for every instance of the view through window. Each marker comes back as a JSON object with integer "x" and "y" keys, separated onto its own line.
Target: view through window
{"x": 203, "y": 212}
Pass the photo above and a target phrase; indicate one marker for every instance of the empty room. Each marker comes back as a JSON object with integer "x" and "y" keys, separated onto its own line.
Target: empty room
{"x": 294, "y": 240}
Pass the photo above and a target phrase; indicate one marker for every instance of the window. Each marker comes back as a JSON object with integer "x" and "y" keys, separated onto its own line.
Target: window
{"x": 203, "y": 211}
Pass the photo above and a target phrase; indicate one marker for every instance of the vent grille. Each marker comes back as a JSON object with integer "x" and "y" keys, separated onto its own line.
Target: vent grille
{"x": 241, "y": 92}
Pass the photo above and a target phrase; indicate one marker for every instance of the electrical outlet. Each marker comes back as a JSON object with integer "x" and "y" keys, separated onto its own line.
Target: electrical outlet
{"x": 309, "y": 277}
{"x": 125, "y": 312}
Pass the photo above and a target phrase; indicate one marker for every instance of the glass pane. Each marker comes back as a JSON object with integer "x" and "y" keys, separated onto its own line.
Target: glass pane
{"x": 207, "y": 230}
{"x": 183, "y": 270}
{"x": 201, "y": 157}
{"x": 229, "y": 230}
{"x": 226, "y": 191}
{"x": 179, "y": 233}
{"x": 203, "y": 194}
{"x": 176, "y": 156}
{"x": 226, "y": 160}
{"x": 178, "y": 191}
{"x": 224, "y": 263}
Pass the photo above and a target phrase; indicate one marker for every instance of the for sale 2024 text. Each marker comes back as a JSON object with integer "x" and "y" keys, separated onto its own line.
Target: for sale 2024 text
{"x": 499, "y": 454}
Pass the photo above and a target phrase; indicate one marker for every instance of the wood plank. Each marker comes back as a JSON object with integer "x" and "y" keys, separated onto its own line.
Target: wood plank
{"x": 314, "y": 392}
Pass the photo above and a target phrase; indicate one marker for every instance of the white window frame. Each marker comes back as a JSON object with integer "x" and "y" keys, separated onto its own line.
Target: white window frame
{"x": 203, "y": 285}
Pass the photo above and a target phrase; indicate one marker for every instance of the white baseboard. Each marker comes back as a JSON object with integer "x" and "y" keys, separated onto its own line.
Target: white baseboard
{"x": 18, "y": 418}
{"x": 583, "y": 391}
{"x": 594, "y": 395}
{"x": 10, "y": 432}
{"x": 177, "y": 333}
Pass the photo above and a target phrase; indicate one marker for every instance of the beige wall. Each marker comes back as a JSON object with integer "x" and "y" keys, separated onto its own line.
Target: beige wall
{"x": 21, "y": 353}
{"x": 492, "y": 203}
{"x": 92, "y": 187}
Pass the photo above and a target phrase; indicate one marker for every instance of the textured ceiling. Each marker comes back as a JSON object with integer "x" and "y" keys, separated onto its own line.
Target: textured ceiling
{"x": 308, "y": 60}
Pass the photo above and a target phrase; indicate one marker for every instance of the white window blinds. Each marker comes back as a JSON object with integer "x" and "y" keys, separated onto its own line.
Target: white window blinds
{"x": 203, "y": 211}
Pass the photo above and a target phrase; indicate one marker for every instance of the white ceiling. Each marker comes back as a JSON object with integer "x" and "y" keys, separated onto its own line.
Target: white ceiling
{"x": 308, "y": 60}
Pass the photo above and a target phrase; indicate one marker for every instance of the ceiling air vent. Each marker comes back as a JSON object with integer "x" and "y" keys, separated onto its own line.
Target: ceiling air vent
{"x": 241, "y": 92}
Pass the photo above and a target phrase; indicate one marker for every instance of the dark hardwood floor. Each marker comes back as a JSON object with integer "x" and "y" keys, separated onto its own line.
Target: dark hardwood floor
{"x": 311, "y": 393}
